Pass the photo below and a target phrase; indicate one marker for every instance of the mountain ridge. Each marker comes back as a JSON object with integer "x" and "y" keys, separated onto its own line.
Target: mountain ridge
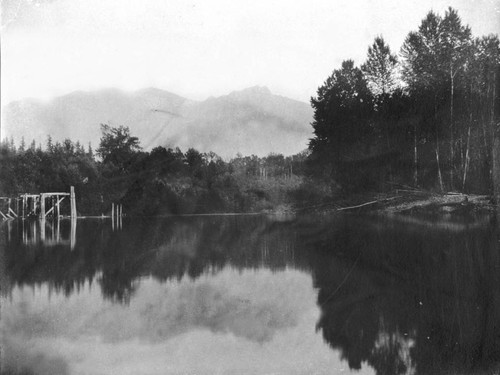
{"x": 248, "y": 121}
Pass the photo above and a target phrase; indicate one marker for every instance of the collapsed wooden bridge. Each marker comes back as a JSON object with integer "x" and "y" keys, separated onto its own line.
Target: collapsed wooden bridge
{"x": 39, "y": 205}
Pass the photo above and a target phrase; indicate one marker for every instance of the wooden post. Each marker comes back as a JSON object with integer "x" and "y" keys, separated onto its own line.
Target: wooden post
{"x": 12, "y": 212}
{"x": 42, "y": 205}
{"x": 54, "y": 206}
{"x": 58, "y": 208}
{"x": 24, "y": 204}
{"x": 73, "y": 201}
{"x": 73, "y": 231}
{"x": 17, "y": 206}
{"x": 113, "y": 217}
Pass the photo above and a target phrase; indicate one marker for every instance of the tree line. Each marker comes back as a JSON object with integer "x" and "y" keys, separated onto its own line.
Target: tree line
{"x": 161, "y": 181}
{"x": 426, "y": 117}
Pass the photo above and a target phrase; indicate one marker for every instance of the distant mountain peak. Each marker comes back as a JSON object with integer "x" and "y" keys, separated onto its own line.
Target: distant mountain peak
{"x": 252, "y": 92}
{"x": 263, "y": 90}
{"x": 249, "y": 121}
{"x": 153, "y": 91}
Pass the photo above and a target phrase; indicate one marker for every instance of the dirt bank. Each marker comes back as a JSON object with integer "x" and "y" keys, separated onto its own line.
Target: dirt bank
{"x": 414, "y": 202}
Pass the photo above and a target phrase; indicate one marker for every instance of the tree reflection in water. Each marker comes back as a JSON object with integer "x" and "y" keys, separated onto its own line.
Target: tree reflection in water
{"x": 412, "y": 300}
{"x": 404, "y": 297}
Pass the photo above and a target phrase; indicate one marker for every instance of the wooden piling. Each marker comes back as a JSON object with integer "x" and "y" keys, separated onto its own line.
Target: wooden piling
{"x": 113, "y": 217}
{"x": 58, "y": 208}
{"x": 12, "y": 212}
{"x": 54, "y": 206}
{"x": 73, "y": 201}
{"x": 42, "y": 205}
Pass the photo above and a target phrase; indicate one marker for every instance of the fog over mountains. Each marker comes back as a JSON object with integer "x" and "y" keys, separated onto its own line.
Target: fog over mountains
{"x": 250, "y": 121}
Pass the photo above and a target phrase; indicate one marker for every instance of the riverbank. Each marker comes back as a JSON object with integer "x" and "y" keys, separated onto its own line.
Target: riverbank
{"x": 441, "y": 204}
{"x": 412, "y": 202}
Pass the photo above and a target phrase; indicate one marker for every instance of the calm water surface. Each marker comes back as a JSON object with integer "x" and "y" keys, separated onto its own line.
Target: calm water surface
{"x": 250, "y": 295}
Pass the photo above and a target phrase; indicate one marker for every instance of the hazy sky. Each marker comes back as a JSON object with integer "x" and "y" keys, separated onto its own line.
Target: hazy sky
{"x": 202, "y": 48}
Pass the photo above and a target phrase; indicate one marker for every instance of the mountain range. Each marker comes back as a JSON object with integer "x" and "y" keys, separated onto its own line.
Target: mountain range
{"x": 250, "y": 121}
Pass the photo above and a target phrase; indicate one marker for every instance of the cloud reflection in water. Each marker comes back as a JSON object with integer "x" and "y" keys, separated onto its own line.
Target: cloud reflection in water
{"x": 245, "y": 321}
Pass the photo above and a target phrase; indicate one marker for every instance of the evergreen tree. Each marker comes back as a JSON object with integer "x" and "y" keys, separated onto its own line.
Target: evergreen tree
{"x": 50, "y": 145}
{"x": 90, "y": 151}
{"x": 22, "y": 146}
{"x": 342, "y": 111}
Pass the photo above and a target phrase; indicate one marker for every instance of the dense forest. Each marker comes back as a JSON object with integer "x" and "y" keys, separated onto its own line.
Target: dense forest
{"x": 162, "y": 181}
{"x": 429, "y": 118}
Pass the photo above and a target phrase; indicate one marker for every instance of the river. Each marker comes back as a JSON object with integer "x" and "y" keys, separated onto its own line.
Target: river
{"x": 317, "y": 294}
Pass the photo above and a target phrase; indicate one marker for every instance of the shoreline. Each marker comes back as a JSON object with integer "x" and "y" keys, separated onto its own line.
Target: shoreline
{"x": 415, "y": 203}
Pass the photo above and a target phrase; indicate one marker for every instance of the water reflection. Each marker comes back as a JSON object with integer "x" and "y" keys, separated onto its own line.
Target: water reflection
{"x": 419, "y": 302}
{"x": 45, "y": 232}
{"x": 247, "y": 292}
